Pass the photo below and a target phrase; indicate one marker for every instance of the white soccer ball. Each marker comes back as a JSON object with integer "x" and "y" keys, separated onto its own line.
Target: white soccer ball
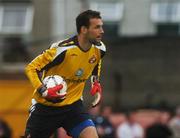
{"x": 53, "y": 80}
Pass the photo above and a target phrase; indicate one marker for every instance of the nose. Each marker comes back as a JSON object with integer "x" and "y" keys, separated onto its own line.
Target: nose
{"x": 102, "y": 31}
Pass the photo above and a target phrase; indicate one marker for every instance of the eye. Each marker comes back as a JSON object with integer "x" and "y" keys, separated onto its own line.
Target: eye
{"x": 98, "y": 27}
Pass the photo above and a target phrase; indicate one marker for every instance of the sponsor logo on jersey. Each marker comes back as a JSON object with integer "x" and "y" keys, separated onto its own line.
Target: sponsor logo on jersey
{"x": 92, "y": 59}
{"x": 74, "y": 80}
{"x": 79, "y": 72}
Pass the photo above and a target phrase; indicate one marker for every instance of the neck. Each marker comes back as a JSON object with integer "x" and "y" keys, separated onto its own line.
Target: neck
{"x": 84, "y": 42}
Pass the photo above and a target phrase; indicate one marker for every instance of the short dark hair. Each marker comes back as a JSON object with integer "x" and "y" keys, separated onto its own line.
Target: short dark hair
{"x": 83, "y": 18}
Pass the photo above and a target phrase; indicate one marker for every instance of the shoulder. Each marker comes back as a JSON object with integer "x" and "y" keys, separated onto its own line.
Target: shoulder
{"x": 101, "y": 46}
{"x": 64, "y": 45}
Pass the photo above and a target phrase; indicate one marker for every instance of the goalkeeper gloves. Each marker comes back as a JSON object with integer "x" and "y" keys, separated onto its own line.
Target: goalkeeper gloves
{"x": 96, "y": 91}
{"x": 51, "y": 94}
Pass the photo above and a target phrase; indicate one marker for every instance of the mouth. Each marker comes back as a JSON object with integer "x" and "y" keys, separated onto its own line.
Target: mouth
{"x": 99, "y": 38}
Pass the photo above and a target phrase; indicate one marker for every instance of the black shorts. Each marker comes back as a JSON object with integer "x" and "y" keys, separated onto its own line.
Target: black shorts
{"x": 44, "y": 120}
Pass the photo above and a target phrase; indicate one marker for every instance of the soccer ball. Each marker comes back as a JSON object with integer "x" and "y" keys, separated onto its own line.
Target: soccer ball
{"x": 53, "y": 80}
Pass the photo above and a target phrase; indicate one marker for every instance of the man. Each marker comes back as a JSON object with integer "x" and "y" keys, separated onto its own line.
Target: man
{"x": 76, "y": 59}
{"x": 104, "y": 127}
{"x": 130, "y": 128}
{"x": 174, "y": 123}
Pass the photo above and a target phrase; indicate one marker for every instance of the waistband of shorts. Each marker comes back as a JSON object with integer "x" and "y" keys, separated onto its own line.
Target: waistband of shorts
{"x": 76, "y": 103}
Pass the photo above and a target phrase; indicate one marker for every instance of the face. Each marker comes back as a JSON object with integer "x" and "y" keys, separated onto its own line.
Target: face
{"x": 95, "y": 31}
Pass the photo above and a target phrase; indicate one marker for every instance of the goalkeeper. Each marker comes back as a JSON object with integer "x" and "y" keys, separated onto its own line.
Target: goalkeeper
{"x": 75, "y": 59}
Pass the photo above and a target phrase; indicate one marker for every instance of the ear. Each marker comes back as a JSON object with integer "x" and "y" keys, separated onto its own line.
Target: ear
{"x": 84, "y": 29}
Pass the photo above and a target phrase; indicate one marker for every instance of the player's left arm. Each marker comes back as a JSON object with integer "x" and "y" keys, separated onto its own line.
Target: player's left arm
{"x": 96, "y": 88}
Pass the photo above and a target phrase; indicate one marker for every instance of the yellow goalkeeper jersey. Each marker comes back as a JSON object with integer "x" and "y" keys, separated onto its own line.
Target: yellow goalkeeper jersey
{"x": 67, "y": 59}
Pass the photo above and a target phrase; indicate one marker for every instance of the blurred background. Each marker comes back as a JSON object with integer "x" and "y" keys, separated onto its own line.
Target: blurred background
{"x": 141, "y": 69}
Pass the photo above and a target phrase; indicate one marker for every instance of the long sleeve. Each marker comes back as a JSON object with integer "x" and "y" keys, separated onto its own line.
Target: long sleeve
{"x": 97, "y": 69}
{"x": 34, "y": 68}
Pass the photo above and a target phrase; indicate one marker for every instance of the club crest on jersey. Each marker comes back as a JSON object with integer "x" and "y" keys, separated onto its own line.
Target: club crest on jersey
{"x": 79, "y": 72}
{"x": 92, "y": 59}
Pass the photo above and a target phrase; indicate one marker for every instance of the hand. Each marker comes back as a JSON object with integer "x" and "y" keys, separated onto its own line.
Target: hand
{"x": 51, "y": 94}
{"x": 96, "y": 91}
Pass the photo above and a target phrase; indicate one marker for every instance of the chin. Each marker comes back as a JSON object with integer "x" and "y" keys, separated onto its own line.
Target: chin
{"x": 98, "y": 40}
{"x": 98, "y": 43}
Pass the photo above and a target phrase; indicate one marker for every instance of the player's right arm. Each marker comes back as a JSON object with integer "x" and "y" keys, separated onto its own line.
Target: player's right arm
{"x": 39, "y": 65}
{"x": 34, "y": 69}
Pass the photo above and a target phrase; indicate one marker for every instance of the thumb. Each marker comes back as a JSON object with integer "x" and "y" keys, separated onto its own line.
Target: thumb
{"x": 97, "y": 99}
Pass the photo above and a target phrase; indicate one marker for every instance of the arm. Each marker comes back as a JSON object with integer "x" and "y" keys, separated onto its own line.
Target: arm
{"x": 34, "y": 70}
{"x": 96, "y": 89}
{"x": 37, "y": 68}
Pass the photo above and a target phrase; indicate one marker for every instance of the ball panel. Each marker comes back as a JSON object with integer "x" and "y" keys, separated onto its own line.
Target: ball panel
{"x": 58, "y": 79}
